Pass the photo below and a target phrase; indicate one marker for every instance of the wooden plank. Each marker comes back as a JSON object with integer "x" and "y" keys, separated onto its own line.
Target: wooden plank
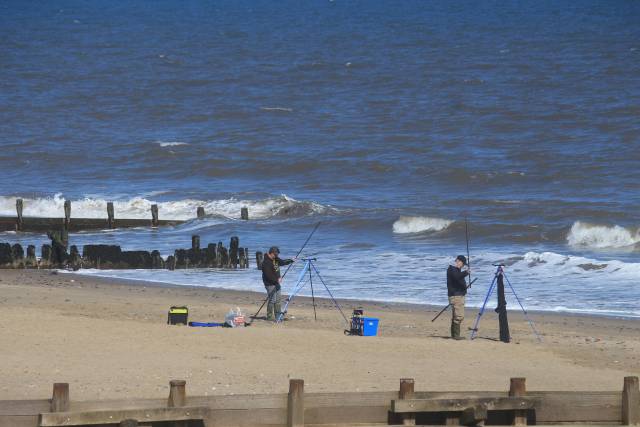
{"x": 23, "y": 407}
{"x": 115, "y": 416}
{"x": 559, "y": 407}
{"x": 239, "y": 402}
{"x": 376, "y": 398}
{"x": 246, "y": 417}
{"x": 18, "y": 421}
{"x": 452, "y": 405}
{"x": 342, "y": 414}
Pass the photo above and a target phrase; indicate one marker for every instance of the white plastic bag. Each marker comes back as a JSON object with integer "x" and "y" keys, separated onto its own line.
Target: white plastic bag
{"x": 234, "y": 318}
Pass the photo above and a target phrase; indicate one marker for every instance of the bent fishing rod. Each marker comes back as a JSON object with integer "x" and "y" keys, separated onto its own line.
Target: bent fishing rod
{"x": 270, "y": 294}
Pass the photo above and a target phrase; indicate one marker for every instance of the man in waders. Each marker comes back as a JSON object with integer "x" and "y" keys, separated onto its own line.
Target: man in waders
{"x": 457, "y": 289}
{"x": 272, "y": 280}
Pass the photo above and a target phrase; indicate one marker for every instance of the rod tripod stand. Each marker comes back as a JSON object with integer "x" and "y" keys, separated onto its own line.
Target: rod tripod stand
{"x": 306, "y": 275}
{"x": 498, "y": 279}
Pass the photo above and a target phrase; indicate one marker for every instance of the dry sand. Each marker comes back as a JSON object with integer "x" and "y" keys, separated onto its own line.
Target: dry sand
{"x": 109, "y": 339}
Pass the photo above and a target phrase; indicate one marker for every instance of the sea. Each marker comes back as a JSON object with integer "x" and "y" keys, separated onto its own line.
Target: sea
{"x": 397, "y": 125}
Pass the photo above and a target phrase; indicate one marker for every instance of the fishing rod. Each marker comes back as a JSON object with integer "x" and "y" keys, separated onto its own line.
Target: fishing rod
{"x": 466, "y": 234}
{"x": 449, "y": 305}
{"x": 270, "y": 294}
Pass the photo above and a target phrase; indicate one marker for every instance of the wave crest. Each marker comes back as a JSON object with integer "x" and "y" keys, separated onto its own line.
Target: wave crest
{"x": 419, "y": 224}
{"x": 170, "y": 143}
{"x": 140, "y": 207}
{"x": 601, "y": 236}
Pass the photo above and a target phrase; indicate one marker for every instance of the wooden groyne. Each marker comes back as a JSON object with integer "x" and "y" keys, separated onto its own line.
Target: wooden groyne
{"x": 21, "y": 223}
{"x": 110, "y": 257}
{"x": 297, "y": 408}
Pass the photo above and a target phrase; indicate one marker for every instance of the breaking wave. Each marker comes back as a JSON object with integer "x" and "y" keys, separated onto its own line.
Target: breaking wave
{"x": 419, "y": 224}
{"x": 170, "y": 143}
{"x": 140, "y": 207}
{"x": 601, "y": 236}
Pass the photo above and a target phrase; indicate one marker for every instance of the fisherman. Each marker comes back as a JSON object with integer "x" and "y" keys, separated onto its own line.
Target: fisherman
{"x": 272, "y": 280}
{"x": 457, "y": 289}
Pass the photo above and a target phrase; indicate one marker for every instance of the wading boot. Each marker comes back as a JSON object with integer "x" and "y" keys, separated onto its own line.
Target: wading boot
{"x": 455, "y": 329}
{"x": 270, "y": 312}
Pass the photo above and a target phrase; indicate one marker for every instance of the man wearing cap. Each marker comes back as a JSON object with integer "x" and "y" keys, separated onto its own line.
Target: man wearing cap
{"x": 272, "y": 280}
{"x": 457, "y": 289}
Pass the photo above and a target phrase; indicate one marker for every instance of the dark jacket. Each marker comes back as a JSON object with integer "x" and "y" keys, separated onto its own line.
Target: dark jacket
{"x": 271, "y": 270}
{"x": 456, "y": 285}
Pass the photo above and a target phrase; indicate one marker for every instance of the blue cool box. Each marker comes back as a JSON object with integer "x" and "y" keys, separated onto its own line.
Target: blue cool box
{"x": 369, "y": 327}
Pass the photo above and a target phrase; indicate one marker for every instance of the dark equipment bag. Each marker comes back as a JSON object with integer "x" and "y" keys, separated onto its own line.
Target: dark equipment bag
{"x": 178, "y": 315}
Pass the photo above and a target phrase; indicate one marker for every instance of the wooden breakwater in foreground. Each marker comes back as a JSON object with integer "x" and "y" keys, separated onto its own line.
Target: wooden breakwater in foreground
{"x": 110, "y": 257}
{"x": 23, "y": 223}
{"x": 405, "y": 406}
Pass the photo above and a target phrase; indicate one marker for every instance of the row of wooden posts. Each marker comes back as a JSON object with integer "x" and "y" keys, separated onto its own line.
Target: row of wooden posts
{"x": 113, "y": 257}
{"x": 468, "y": 408}
{"x": 22, "y": 223}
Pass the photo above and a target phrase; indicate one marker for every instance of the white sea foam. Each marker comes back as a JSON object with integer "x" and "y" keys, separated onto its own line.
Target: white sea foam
{"x": 140, "y": 207}
{"x": 601, "y": 236}
{"x": 288, "y": 110}
{"x": 171, "y": 143}
{"x": 419, "y": 224}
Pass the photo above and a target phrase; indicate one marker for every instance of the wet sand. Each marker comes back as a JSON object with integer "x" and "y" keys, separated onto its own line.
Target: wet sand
{"x": 109, "y": 339}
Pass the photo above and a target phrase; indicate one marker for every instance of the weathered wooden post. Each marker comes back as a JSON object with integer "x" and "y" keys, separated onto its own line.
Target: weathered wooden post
{"x": 129, "y": 423}
{"x": 67, "y": 213}
{"x": 259, "y": 259}
{"x": 154, "y": 215}
{"x": 45, "y": 256}
{"x": 177, "y": 398}
{"x": 518, "y": 388}
{"x": 295, "y": 404}
{"x": 406, "y": 392}
{"x": 110, "y": 215}
{"x": 60, "y": 397}
{"x": 631, "y": 402}
{"x": 64, "y": 237}
{"x": 244, "y": 213}
{"x": 200, "y": 212}
{"x": 195, "y": 243}
{"x": 242, "y": 258}
{"x": 171, "y": 263}
{"x": 177, "y": 393}
{"x": 31, "y": 261}
{"x": 234, "y": 244}
{"x": 19, "y": 223}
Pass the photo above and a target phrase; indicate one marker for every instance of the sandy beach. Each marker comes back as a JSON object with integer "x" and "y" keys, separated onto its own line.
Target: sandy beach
{"x": 109, "y": 339}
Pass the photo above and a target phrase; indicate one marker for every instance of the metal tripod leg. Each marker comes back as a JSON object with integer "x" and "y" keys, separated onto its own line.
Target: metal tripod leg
{"x": 474, "y": 331}
{"x": 330, "y": 294}
{"x": 313, "y": 297}
{"x": 296, "y": 289}
{"x": 526, "y": 316}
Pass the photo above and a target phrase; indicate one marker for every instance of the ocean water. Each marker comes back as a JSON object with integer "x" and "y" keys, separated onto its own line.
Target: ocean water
{"x": 390, "y": 122}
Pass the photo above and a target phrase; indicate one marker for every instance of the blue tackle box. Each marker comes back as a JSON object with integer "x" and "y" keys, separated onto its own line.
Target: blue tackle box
{"x": 369, "y": 326}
